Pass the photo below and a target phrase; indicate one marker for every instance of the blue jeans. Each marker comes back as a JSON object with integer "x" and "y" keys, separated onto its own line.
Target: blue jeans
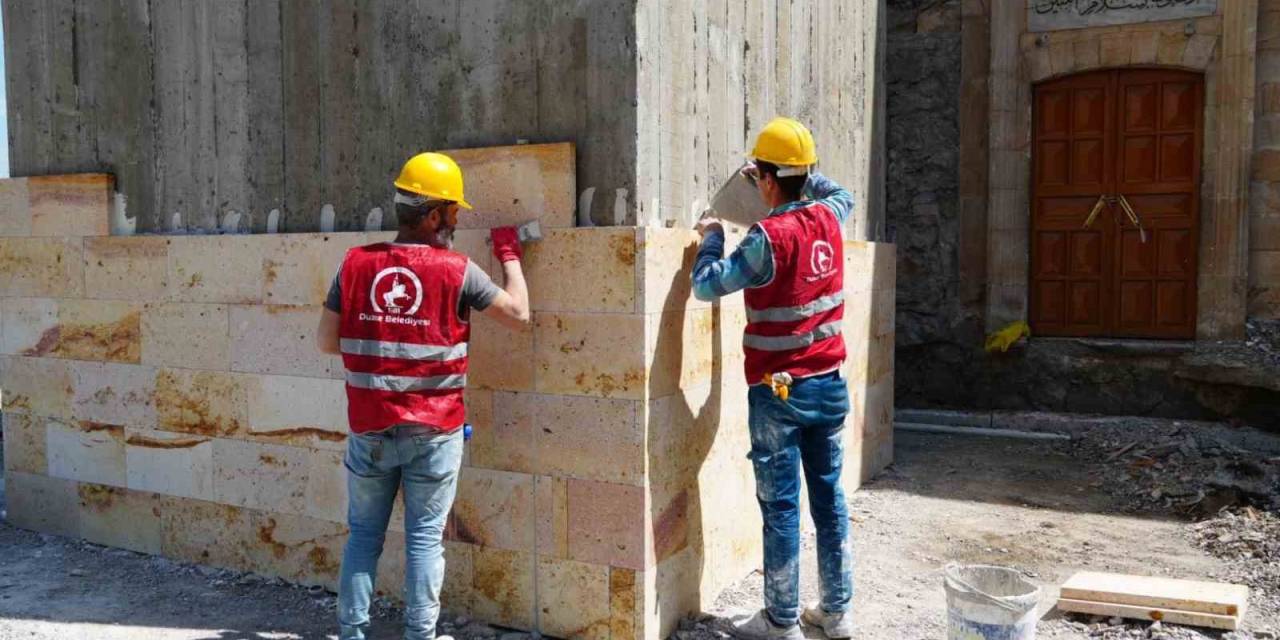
{"x": 377, "y": 464}
{"x": 804, "y": 432}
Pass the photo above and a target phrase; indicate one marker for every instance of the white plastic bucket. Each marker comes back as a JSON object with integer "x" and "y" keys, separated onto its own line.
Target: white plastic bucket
{"x": 989, "y": 603}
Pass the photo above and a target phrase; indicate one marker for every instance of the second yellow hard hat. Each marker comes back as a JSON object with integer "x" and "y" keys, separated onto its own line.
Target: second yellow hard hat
{"x": 785, "y": 142}
{"x": 433, "y": 175}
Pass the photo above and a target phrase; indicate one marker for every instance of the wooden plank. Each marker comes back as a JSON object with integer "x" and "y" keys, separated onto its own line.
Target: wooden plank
{"x": 1164, "y": 593}
{"x": 1172, "y": 616}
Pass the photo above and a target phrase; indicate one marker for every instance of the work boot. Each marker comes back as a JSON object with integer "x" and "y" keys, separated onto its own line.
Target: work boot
{"x": 837, "y": 626}
{"x": 761, "y": 627}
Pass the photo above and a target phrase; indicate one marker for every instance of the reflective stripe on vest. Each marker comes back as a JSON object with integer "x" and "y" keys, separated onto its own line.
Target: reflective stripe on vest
{"x": 402, "y": 350}
{"x": 380, "y": 382}
{"x": 800, "y": 312}
{"x": 788, "y": 343}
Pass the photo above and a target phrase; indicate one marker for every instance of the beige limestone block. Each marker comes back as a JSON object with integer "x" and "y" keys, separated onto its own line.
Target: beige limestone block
{"x": 188, "y": 335}
{"x": 513, "y": 185}
{"x": 1171, "y": 48}
{"x": 1144, "y": 46}
{"x": 677, "y": 588}
{"x": 502, "y": 587}
{"x": 1114, "y": 50}
{"x": 500, "y": 358}
{"x": 126, "y": 268}
{"x": 118, "y": 517}
{"x": 456, "y": 595}
{"x": 1040, "y": 63}
{"x": 588, "y": 438}
{"x": 70, "y": 205}
{"x": 495, "y": 509}
{"x": 566, "y": 436}
{"x": 299, "y": 268}
{"x": 279, "y": 340}
{"x": 102, "y": 330}
{"x": 1264, "y": 232}
{"x": 224, "y": 269}
{"x": 551, "y": 500}
{"x": 573, "y": 599}
{"x": 24, "y": 444}
{"x": 86, "y": 452}
{"x": 297, "y": 548}
{"x": 590, "y": 354}
{"x": 119, "y": 394}
{"x": 297, "y": 411}
{"x": 41, "y": 267}
{"x": 681, "y": 350}
{"x": 1086, "y": 53}
{"x": 583, "y": 270}
{"x": 219, "y": 535}
{"x": 42, "y": 503}
{"x": 174, "y": 464}
{"x": 668, "y": 256}
{"x": 15, "y": 209}
{"x": 37, "y": 386}
{"x": 880, "y": 357}
{"x": 605, "y": 523}
{"x": 205, "y": 403}
{"x": 260, "y": 476}
{"x": 507, "y": 443}
{"x": 625, "y": 590}
{"x": 1199, "y": 51}
{"x": 479, "y": 405}
{"x": 28, "y": 326}
{"x": 327, "y": 486}
{"x": 1062, "y": 56}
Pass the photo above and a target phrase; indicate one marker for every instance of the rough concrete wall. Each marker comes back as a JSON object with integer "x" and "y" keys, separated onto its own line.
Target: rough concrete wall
{"x": 205, "y": 108}
{"x": 712, "y": 72}
{"x": 922, "y": 207}
{"x": 1264, "y": 214}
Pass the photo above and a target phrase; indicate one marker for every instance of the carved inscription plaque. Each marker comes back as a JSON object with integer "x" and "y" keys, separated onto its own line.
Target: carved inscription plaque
{"x": 1052, "y": 15}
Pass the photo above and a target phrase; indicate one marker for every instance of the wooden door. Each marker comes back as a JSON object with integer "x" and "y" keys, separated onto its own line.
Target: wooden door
{"x": 1115, "y": 204}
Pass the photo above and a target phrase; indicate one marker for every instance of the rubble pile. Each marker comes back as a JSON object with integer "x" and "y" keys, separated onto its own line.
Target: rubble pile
{"x": 1250, "y": 539}
{"x": 1188, "y": 469}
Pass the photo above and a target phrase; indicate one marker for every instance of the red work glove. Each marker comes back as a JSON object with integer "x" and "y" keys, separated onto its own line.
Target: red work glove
{"x": 506, "y": 244}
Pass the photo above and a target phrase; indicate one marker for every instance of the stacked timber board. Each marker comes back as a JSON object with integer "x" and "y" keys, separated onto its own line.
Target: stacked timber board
{"x": 164, "y": 394}
{"x": 1186, "y": 602}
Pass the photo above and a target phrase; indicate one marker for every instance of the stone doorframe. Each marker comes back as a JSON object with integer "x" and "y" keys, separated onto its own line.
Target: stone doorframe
{"x": 1222, "y": 47}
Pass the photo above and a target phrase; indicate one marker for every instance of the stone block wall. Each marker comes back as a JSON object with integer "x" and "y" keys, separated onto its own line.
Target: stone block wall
{"x": 163, "y": 394}
{"x": 1264, "y": 188}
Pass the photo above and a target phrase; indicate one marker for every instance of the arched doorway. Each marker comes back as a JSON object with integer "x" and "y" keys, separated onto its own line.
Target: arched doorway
{"x": 1116, "y": 203}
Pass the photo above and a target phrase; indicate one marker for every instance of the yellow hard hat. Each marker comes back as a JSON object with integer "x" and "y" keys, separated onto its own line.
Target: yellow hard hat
{"x": 433, "y": 175}
{"x": 785, "y": 142}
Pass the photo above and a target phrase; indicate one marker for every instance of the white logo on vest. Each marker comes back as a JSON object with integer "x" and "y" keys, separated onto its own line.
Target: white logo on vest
{"x": 822, "y": 259}
{"x": 396, "y": 292}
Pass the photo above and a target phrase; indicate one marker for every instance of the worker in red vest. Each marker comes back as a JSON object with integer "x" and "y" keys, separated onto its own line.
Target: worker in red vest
{"x": 399, "y": 313}
{"x": 790, "y": 267}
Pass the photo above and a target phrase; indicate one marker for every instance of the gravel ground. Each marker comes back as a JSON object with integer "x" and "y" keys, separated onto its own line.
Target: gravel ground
{"x": 1046, "y": 509}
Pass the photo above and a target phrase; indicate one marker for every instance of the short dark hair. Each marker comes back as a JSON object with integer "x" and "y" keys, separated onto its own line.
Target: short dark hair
{"x": 410, "y": 216}
{"x": 792, "y": 186}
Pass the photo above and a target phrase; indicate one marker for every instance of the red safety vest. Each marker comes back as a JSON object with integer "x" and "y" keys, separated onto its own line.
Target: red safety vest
{"x": 403, "y": 344}
{"x": 794, "y": 320}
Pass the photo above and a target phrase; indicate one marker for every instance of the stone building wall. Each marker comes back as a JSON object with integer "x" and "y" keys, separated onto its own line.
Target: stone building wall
{"x": 922, "y": 181}
{"x": 159, "y": 401}
{"x": 1264, "y": 202}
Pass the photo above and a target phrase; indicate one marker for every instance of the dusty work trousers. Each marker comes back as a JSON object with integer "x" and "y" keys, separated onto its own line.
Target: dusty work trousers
{"x": 377, "y": 466}
{"x": 805, "y": 432}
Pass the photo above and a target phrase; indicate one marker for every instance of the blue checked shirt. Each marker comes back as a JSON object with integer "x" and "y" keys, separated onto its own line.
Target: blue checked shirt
{"x": 751, "y": 264}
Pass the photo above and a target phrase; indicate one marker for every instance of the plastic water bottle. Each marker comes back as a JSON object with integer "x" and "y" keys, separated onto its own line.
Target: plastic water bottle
{"x": 466, "y": 431}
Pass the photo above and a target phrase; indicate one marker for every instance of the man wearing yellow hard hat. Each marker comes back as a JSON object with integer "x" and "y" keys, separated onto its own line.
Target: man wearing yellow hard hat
{"x": 398, "y": 313}
{"x": 790, "y": 267}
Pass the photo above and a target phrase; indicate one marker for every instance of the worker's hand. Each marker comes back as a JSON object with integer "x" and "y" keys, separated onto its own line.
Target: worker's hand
{"x": 506, "y": 244}
{"x": 751, "y": 171}
{"x": 707, "y": 224}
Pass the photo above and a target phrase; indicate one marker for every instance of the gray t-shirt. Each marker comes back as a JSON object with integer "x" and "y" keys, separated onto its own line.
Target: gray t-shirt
{"x": 478, "y": 291}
